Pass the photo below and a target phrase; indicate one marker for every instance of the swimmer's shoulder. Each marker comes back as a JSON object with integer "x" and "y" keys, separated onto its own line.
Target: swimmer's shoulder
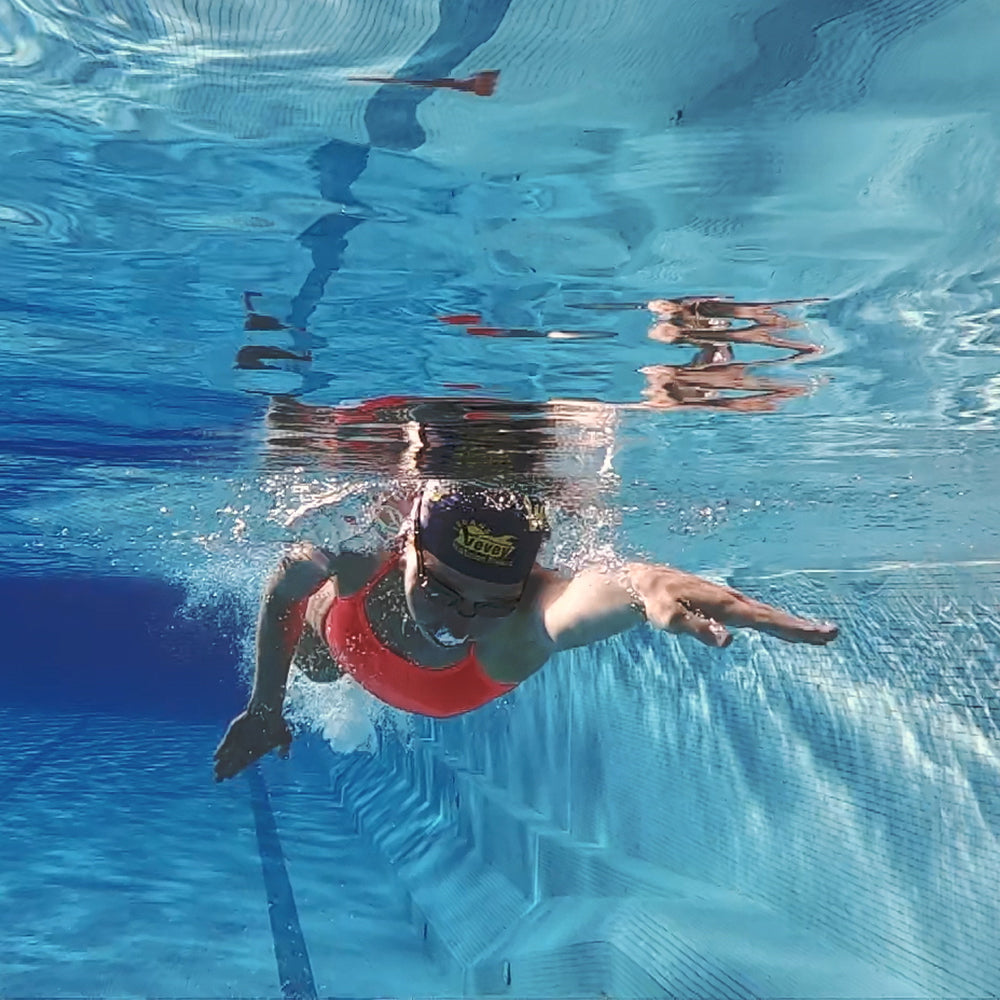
{"x": 353, "y": 569}
{"x": 544, "y": 586}
{"x": 520, "y": 645}
{"x": 377, "y": 531}
{"x": 361, "y": 557}
{"x": 349, "y": 569}
{"x": 389, "y": 512}
{"x": 348, "y": 572}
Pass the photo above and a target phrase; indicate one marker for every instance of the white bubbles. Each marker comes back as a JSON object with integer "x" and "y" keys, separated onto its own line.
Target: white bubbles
{"x": 342, "y": 712}
{"x": 443, "y": 636}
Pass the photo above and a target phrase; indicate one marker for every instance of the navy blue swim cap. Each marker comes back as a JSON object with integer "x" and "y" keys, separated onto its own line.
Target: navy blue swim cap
{"x": 489, "y": 534}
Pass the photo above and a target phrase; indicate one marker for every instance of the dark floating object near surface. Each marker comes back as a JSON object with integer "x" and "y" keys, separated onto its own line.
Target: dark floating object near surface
{"x": 253, "y": 356}
{"x": 261, "y": 321}
{"x": 481, "y": 84}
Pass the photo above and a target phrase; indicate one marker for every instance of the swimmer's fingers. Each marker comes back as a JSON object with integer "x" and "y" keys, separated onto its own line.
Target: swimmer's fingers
{"x": 248, "y": 738}
{"x": 740, "y": 611}
{"x": 792, "y": 629}
{"x": 230, "y": 761}
{"x": 683, "y": 602}
{"x": 231, "y": 758}
{"x": 689, "y": 621}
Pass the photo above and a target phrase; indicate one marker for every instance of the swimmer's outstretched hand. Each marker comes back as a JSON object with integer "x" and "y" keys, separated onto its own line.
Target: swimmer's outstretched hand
{"x": 682, "y": 602}
{"x": 249, "y": 736}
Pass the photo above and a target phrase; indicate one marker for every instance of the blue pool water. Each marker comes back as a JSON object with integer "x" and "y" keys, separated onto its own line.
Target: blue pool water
{"x": 645, "y": 817}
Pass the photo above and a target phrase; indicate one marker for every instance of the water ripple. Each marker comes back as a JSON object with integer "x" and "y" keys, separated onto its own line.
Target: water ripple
{"x": 33, "y": 222}
{"x": 163, "y": 68}
{"x": 12, "y": 215}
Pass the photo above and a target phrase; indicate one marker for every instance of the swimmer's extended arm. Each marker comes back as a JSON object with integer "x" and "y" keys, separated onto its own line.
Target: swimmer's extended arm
{"x": 261, "y": 727}
{"x": 594, "y": 605}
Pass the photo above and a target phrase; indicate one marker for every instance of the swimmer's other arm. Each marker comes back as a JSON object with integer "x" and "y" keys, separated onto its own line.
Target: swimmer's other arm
{"x": 594, "y": 605}
{"x": 261, "y": 727}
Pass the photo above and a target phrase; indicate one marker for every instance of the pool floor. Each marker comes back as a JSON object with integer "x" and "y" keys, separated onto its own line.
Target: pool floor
{"x": 129, "y": 873}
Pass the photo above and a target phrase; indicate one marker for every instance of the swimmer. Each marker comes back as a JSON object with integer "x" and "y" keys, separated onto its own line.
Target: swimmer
{"x": 456, "y": 612}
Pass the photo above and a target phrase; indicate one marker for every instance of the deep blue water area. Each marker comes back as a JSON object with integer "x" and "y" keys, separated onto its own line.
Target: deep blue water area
{"x": 119, "y": 646}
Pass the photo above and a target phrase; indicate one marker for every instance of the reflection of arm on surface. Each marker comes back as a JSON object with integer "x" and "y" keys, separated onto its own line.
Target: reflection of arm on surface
{"x": 671, "y": 332}
{"x": 675, "y": 386}
{"x": 760, "y": 334}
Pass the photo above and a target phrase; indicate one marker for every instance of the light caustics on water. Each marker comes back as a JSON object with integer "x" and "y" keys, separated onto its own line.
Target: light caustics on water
{"x": 735, "y": 312}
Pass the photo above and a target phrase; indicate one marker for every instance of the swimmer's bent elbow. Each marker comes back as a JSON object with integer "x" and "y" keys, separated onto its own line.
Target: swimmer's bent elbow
{"x": 300, "y": 575}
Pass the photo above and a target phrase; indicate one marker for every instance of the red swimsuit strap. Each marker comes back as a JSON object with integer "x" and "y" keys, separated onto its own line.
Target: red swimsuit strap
{"x": 388, "y": 565}
{"x": 358, "y": 602}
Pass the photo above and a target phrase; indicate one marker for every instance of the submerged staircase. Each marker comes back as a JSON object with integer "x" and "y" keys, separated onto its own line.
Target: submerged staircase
{"x": 524, "y": 910}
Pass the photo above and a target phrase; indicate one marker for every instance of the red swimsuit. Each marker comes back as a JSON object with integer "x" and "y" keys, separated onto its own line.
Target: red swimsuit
{"x": 394, "y": 679}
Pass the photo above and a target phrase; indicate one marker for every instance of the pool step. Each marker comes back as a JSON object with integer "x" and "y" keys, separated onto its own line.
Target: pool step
{"x": 525, "y": 910}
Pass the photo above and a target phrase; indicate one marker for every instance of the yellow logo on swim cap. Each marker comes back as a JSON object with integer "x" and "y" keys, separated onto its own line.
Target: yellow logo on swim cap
{"x": 474, "y": 541}
{"x": 537, "y": 519}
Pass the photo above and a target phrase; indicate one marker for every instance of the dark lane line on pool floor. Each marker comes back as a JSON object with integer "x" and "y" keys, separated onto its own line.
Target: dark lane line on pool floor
{"x": 290, "y": 952}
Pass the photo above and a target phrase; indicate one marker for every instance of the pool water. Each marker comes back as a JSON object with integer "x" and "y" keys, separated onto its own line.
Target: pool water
{"x": 237, "y": 283}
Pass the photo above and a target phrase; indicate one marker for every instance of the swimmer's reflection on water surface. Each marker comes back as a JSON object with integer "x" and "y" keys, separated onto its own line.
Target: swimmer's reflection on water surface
{"x": 692, "y": 320}
{"x": 712, "y": 374}
{"x": 450, "y": 608}
{"x": 556, "y": 447}
{"x": 697, "y": 320}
